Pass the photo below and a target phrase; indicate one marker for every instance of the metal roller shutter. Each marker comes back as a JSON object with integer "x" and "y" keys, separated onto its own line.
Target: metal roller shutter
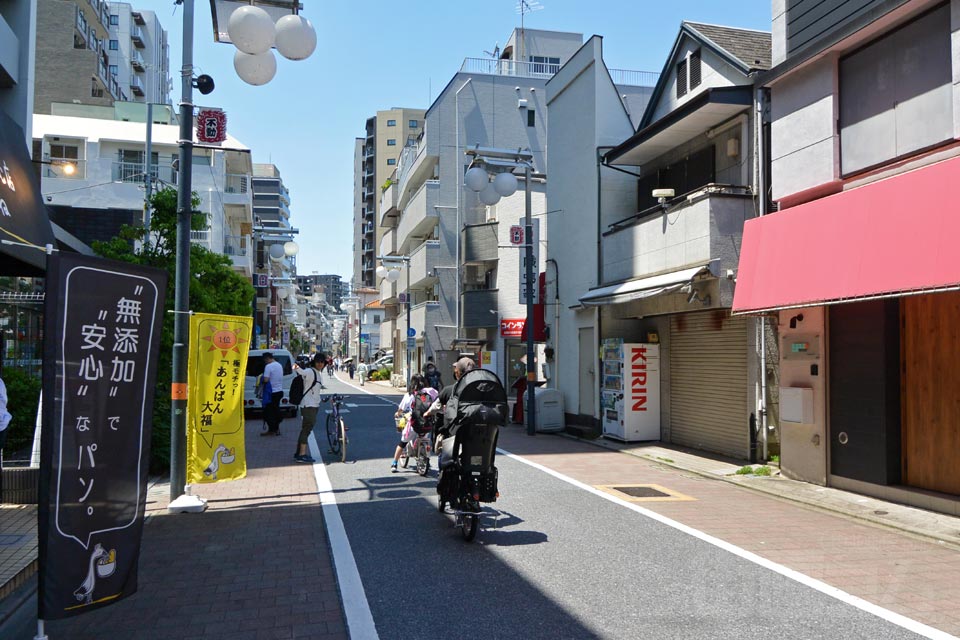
{"x": 708, "y": 383}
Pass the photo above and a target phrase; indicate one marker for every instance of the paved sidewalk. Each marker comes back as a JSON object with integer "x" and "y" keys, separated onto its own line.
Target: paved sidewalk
{"x": 254, "y": 565}
{"x": 918, "y": 578}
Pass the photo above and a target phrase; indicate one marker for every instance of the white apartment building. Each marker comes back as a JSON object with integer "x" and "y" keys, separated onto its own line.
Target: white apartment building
{"x": 142, "y": 68}
{"x": 461, "y": 285}
{"x": 107, "y": 188}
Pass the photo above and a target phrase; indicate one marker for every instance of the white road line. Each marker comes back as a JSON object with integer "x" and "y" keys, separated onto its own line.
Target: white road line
{"x": 360, "y": 625}
{"x": 885, "y": 614}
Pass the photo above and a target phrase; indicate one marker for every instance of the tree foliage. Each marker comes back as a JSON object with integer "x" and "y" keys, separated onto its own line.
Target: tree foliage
{"x": 214, "y": 288}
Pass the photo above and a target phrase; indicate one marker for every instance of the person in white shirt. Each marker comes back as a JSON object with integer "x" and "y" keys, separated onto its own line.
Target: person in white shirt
{"x": 310, "y": 405}
{"x": 5, "y": 419}
{"x": 272, "y": 374}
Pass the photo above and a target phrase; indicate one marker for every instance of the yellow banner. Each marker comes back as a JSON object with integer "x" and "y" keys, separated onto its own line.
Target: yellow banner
{"x": 216, "y": 368}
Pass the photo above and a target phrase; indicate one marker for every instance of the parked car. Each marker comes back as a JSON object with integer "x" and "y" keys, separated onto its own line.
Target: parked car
{"x": 255, "y": 367}
{"x": 382, "y": 363}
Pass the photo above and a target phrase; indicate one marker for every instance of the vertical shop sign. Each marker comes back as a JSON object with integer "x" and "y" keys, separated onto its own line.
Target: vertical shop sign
{"x": 102, "y": 330}
{"x": 218, "y": 359}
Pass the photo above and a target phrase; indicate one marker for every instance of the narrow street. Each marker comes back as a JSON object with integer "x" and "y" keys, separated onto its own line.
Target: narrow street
{"x": 558, "y": 562}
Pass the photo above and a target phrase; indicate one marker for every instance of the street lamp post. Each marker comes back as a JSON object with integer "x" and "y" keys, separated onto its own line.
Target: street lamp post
{"x": 502, "y": 163}
{"x": 393, "y": 274}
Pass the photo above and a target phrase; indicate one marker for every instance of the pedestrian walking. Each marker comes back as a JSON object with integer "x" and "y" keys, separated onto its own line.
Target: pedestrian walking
{"x": 5, "y": 419}
{"x": 273, "y": 376}
{"x": 351, "y": 369}
{"x": 310, "y": 404}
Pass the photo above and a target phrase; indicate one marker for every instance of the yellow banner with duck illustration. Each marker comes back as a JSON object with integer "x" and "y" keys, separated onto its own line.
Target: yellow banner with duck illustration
{"x": 216, "y": 368}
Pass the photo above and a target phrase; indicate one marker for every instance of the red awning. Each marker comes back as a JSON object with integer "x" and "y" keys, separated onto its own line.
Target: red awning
{"x": 889, "y": 238}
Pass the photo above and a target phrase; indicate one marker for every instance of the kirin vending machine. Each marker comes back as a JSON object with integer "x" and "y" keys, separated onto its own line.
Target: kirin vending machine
{"x": 631, "y": 390}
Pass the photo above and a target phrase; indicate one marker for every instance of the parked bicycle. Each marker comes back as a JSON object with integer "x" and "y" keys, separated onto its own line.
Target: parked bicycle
{"x": 419, "y": 449}
{"x": 336, "y": 427}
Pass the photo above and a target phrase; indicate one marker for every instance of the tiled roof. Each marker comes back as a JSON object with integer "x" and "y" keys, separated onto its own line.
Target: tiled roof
{"x": 751, "y": 47}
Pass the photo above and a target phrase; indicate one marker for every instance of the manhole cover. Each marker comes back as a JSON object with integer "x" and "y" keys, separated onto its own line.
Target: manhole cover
{"x": 641, "y": 492}
{"x": 10, "y": 540}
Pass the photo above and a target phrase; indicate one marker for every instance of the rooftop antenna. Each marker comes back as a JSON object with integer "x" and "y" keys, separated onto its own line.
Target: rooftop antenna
{"x": 495, "y": 54}
{"x": 523, "y": 8}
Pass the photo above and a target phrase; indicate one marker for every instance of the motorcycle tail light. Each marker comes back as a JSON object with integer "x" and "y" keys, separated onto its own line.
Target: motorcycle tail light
{"x": 476, "y": 496}
{"x": 498, "y": 494}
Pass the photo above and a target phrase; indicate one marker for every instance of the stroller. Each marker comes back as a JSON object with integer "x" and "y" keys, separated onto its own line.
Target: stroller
{"x": 468, "y": 476}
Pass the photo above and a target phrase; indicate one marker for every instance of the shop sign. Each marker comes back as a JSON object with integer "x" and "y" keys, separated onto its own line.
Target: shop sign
{"x": 211, "y": 126}
{"x": 511, "y": 327}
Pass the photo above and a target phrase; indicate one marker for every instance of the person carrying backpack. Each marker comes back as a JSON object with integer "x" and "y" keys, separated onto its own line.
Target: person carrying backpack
{"x": 308, "y": 381}
{"x": 415, "y": 384}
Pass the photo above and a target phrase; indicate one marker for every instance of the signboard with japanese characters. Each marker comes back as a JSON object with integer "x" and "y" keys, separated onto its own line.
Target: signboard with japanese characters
{"x": 511, "y": 327}
{"x": 261, "y": 280}
{"x": 516, "y": 234}
{"x": 211, "y": 126}
{"x": 102, "y": 335}
{"x": 535, "y": 269}
{"x": 23, "y": 216}
{"x": 215, "y": 374}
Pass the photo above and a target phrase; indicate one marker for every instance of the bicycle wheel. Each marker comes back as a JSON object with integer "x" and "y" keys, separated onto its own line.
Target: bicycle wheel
{"x": 469, "y": 525}
{"x": 343, "y": 441}
{"x": 333, "y": 438}
{"x": 423, "y": 458}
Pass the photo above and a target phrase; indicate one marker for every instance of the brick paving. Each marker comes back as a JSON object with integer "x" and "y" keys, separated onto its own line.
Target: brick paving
{"x": 914, "y": 577}
{"x": 18, "y": 545}
{"x": 255, "y": 565}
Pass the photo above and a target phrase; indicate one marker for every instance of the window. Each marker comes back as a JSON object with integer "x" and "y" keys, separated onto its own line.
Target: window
{"x": 544, "y": 64}
{"x": 895, "y": 94}
{"x": 695, "y": 72}
{"x": 66, "y": 152}
{"x": 391, "y": 142}
{"x": 114, "y": 19}
{"x": 376, "y": 319}
{"x": 414, "y": 124}
{"x": 391, "y": 161}
{"x": 114, "y": 69}
{"x": 114, "y": 45}
{"x": 682, "y": 78}
{"x": 391, "y": 123}
{"x": 531, "y": 118}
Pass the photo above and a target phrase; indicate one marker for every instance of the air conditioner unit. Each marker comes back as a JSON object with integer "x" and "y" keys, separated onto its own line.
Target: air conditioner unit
{"x": 473, "y": 274}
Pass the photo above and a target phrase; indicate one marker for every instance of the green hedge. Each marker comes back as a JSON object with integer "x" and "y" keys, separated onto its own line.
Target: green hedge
{"x": 23, "y": 397}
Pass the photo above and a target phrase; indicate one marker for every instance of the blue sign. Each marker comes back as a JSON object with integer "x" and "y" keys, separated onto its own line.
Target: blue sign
{"x": 256, "y": 329}
{"x": 411, "y": 343}
{"x": 411, "y": 333}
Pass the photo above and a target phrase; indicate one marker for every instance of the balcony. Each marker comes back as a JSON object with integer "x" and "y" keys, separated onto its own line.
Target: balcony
{"x": 59, "y": 169}
{"x": 388, "y": 292}
{"x": 415, "y": 166}
{"x": 388, "y": 206}
{"x": 422, "y": 317}
{"x": 137, "y": 62}
{"x": 240, "y": 250}
{"x": 136, "y": 86}
{"x": 368, "y": 229}
{"x": 514, "y": 68}
{"x": 135, "y": 172}
{"x": 388, "y": 243}
{"x": 419, "y": 217}
{"x": 387, "y": 337}
{"x": 476, "y": 306}
{"x": 201, "y": 238}
{"x": 480, "y": 243}
{"x": 423, "y": 261}
{"x": 136, "y": 35}
{"x": 138, "y": 18}
{"x": 704, "y": 225}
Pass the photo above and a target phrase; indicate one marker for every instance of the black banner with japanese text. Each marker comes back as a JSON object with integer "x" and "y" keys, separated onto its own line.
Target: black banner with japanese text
{"x": 101, "y": 340}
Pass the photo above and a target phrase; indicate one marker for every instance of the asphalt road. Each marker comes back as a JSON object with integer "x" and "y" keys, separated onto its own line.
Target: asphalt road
{"x": 559, "y": 562}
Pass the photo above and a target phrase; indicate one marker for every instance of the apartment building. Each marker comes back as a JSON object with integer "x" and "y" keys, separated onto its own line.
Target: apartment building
{"x": 330, "y": 285}
{"x": 18, "y": 33}
{"x": 73, "y": 55}
{"x": 856, "y": 260}
{"x": 272, "y": 229}
{"x": 458, "y": 284}
{"x": 142, "y": 66}
{"x": 375, "y": 162}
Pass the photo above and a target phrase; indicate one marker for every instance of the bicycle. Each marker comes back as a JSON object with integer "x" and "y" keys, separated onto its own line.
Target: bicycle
{"x": 336, "y": 427}
{"x": 418, "y": 448}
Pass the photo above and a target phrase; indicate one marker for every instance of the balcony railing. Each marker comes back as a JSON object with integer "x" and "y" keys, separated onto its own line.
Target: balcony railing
{"x": 136, "y": 171}
{"x": 238, "y": 183}
{"x": 631, "y": 78}
{"x": 236, "y": 245}
{"x": 200, "y": 237}
{"x": 136, "y": 86}
{"x": 137, "y": 61}
{"x": 136, "y": 34}
{"x": 58, "y": 168}
{"x": 519, "y": 69}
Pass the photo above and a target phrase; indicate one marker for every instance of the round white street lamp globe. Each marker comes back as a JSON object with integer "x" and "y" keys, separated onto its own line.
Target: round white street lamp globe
{"x": 476, "y": 179}
{"x": 293, "y": 291}
{"x": 505, "y": 184}
{"x": 282, "y": 293}
{"x": 255, "y": 69}
{"x": 276, "y": 252}
{"x": 251, "y": 29}
{"x": 381, "y": 271}
{"x": 296, "y": 38}
{"x": 291, "y": 248}
{"x": 393, "y": 275}
{"x": 489, "y": 195}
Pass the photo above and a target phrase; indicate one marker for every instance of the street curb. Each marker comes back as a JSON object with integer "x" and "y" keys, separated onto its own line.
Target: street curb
{"x": 826, "y": 508}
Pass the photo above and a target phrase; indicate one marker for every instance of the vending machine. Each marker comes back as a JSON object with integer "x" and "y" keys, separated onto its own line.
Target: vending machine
{"x": 630, "y": 394}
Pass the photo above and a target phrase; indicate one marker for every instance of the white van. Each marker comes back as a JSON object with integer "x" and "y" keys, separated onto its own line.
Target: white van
{"x": 255, "y": 365}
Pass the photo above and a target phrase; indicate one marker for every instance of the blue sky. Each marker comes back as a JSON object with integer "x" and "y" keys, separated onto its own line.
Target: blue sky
{"x": 375, "y": 54}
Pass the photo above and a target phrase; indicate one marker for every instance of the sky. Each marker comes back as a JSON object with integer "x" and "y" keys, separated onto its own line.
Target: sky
{"x": 377, "y": 54}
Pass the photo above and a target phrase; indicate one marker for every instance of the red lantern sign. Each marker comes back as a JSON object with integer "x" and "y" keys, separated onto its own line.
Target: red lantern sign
{"x": 211, "y": 125}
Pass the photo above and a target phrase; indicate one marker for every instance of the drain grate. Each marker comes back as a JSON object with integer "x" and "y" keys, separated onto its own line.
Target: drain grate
{"x": 641, "y": 492}
{"x": 10, "y": 540}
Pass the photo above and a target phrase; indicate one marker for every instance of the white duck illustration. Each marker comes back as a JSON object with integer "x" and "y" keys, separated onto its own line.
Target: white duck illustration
{"x": 85, "y": 593}
{"x": 214, "y": 467}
